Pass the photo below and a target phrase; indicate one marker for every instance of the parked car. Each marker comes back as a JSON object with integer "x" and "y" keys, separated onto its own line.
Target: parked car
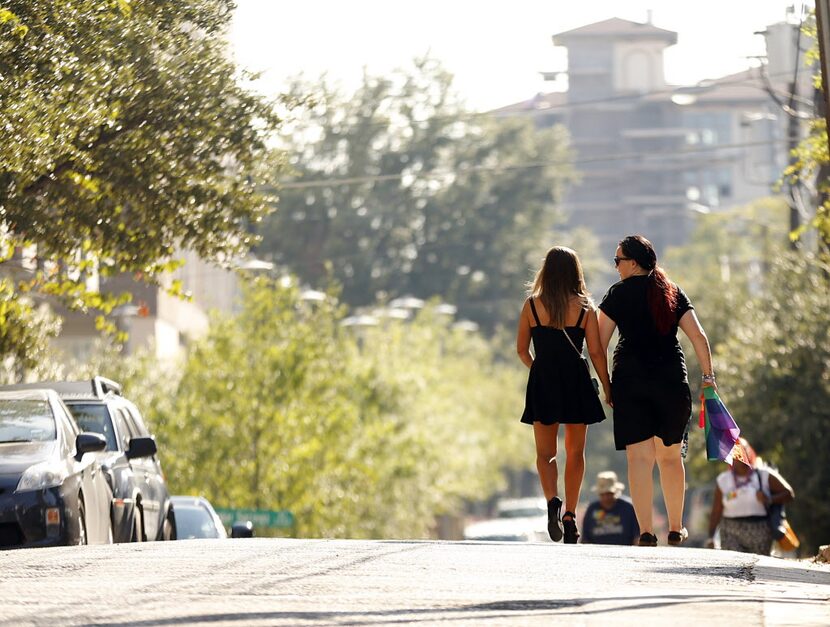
{"x": 517, "y": 520}
{"x": 141, "y": 508}
{"x": 53, "y": 489}
{"x": 196, "y": 518}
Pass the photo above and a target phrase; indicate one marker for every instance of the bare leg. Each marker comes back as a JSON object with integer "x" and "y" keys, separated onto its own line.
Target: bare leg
{"x": 641, "y": 457}
{"x": 574, "y": 464}
{"x": 545, "y": 436}
{"x": 673, "y": 481}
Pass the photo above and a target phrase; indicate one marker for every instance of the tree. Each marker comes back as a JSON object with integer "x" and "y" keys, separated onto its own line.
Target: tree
{"x": 811, "y": 164}
{"x": 358, "y": 433}
{"x": 722, "y": 268}
{"x": 765, "y": 312}
{"x": 402, "y": 191}
{"x": 126, "y": 137}
{"x": 777, "y": 365}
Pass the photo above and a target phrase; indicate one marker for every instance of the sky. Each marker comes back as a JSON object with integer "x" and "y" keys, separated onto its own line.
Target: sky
{"x": 496, "y": 50}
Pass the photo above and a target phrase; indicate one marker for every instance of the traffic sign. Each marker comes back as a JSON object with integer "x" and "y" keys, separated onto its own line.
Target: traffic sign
{"x": 259, "y": 517}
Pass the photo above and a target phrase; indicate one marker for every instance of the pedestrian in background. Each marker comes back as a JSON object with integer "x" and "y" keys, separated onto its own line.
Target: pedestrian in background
{"x": 740, "y": 505}
{"x": 611, "y": 518}
{"x": 650, "y": 388}
{"x": 559, "y": 316}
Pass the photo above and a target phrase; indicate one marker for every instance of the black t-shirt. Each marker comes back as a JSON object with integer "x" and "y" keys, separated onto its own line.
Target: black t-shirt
{"x": 642, "y": 351}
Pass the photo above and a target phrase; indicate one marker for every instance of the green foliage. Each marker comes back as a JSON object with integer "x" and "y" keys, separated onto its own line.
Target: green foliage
{"x": 726, "y": 259}
{"x": 765, "y": 311}
{"x": 360, "y": 433}
{"x": 24, "y": 331}
{"x": 777, "y": 366}
{"x": 721, "y": 268}
{"x": 126, "y": 136}
{"x": 811, "y": 158}
{"x": 435, "y": 201}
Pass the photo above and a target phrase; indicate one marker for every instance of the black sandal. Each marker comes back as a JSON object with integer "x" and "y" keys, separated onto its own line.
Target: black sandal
{"x": 571, "y": 532}
{"x": 554, "y": 522}
{"x": 647, "y": 539}
{"x": 676, "y": 538}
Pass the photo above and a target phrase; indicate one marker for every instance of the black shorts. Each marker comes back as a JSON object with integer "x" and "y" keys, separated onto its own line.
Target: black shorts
{"x": 645, "y": 408}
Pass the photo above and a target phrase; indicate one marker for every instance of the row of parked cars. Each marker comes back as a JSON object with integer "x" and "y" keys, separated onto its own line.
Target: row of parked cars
{"x": 79, "y": 466}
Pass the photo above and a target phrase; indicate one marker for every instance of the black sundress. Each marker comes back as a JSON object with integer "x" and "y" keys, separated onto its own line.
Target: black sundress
{"x": 559, "y": 387}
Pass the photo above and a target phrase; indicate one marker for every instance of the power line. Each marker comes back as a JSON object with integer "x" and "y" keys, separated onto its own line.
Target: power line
{"x": 377, "y": 178}
{"x": 700, "y": 88}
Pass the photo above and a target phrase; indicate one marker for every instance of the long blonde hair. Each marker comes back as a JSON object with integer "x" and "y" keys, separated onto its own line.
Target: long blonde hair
{"x": 558, "y": 280}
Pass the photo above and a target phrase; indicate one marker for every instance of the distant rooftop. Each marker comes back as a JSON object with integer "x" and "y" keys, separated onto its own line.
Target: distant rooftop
{"x": 746, "y": 86}
{"x": 616, "y": 28}
{"x": 540, "y": 102}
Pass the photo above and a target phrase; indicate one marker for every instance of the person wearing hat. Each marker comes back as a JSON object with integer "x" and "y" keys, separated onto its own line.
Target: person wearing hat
{"x": 610, "y": 519}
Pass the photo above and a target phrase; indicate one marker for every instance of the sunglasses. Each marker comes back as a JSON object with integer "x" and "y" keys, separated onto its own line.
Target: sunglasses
{"x": 617, "y": 260}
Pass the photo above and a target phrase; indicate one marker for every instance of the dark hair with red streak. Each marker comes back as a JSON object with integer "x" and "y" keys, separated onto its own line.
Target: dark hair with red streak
{"x": 661, "y": 293}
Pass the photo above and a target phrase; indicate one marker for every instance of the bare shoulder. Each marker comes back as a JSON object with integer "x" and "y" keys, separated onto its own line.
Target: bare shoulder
{"x": 525, "y": 313}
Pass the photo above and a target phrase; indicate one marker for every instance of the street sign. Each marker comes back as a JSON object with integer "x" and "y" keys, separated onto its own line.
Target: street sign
{"x": 259, "y": 517}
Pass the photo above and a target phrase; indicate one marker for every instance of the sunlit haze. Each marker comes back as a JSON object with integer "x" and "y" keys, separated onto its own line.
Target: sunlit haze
{"x": 495, "y": 49}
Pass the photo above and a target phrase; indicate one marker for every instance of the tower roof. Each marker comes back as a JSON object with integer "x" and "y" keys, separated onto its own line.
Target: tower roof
{"x": 616, "y": 28}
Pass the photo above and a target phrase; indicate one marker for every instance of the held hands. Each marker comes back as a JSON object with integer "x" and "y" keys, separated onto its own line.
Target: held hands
{"x": 606, "y": 390}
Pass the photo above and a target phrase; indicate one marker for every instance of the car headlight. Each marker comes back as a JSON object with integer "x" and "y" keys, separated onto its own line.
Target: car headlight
{"x": 41, "y": 476}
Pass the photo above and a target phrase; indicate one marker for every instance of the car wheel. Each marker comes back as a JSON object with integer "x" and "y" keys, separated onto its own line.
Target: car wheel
{"x": 81, "y": 522}
{"x": 169, "y": 528}
{"x": 138, "y": 526}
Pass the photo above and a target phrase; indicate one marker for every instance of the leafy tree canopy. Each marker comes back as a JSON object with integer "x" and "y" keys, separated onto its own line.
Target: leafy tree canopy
{"x": 765, "y": 308}
{"x": 360, "y": 432}
{"x": 401, "y": 191}
{"x": 126, "y": 136}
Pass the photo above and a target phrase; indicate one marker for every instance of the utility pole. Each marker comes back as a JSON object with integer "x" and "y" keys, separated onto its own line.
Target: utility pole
{"x": 823, "y": 103}
{"x": 793, "y": 128}
{"x": 823, "y": 24}
{"x": 793, "y": 139}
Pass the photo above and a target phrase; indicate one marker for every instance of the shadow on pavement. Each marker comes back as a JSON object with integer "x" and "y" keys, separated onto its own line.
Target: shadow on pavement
{"x": 754, "y": 572}
{"x": 509, "y": 609}
{"x": 768, "y": 572}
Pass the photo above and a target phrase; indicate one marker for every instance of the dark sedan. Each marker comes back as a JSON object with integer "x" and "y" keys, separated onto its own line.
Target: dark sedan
{"x": 52, "y": 488}
{"x": 196, "y": 518}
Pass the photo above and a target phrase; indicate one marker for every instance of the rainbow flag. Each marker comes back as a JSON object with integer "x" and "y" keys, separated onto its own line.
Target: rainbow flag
{"x": 721, "y": 430}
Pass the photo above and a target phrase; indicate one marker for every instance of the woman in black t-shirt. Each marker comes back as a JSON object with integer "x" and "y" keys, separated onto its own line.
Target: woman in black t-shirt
{"x": 649, "y": 383}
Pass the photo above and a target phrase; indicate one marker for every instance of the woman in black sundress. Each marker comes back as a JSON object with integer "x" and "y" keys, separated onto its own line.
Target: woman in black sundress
{"x": 559, "y": 316}
{"x": 652, "y": 399}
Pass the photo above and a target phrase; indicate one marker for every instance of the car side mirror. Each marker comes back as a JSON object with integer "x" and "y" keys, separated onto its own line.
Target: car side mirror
{"x": 87, "y": 442}
{"x": 141, "y": 447}
{"x": 242, "y": 529}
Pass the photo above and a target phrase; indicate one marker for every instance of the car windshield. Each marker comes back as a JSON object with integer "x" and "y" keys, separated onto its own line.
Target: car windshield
{"x": 194, "y": 522}
{"x": 95, "y": 418}
{"x": 26, "y": 421}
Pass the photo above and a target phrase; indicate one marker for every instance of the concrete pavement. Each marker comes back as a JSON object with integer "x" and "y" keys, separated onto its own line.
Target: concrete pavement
{"x": 342, "y": 582}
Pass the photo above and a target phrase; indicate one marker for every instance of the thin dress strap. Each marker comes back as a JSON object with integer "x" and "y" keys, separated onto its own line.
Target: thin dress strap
{"x": 533, "y": 309}
{"x": 581, "y": 315}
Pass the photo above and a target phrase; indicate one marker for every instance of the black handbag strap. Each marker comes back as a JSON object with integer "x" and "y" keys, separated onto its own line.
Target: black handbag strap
{"x": 576, "y": 350}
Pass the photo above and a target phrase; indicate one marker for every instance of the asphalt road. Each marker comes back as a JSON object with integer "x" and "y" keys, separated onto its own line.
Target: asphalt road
{"x": 342, "y": 582}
